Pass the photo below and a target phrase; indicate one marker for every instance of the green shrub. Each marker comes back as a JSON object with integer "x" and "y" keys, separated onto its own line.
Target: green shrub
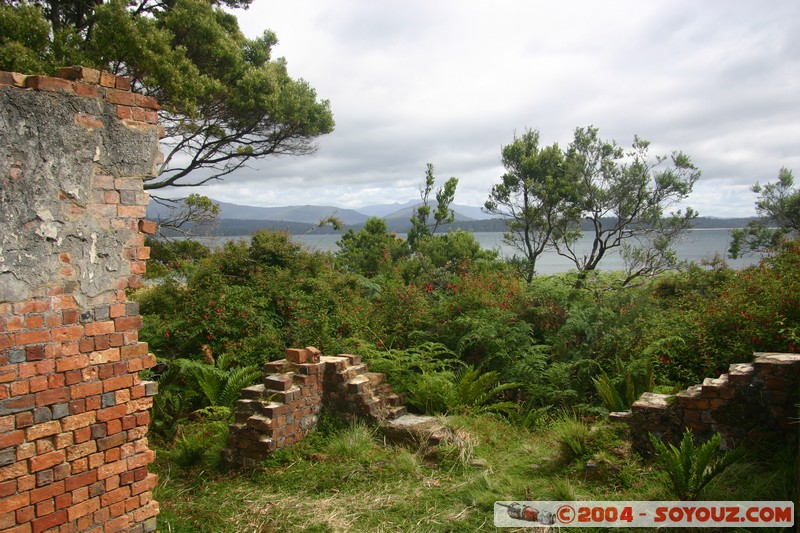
{"x": 689, "y": 467}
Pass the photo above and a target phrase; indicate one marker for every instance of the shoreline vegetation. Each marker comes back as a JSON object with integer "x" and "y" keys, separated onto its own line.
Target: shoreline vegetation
{"x": 230, "y": 227}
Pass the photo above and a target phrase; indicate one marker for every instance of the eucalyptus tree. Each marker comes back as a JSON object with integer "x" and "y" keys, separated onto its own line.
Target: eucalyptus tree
{"x": 778, "y": 208}
{"x": 534, "y": 196}
{"x": 421, "y": 226}
{"x": 623, "y": 199}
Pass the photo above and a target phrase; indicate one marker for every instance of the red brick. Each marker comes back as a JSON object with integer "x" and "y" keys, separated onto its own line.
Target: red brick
{"x": 19, "y": 388}
{"x": 86, "y": 90}
{"x": 47, "y": 83}
{"x": 66, "y": 333}
{"x": 99, "y": 328}
{"x": 31, "y": 337}
{"x": 134, "y": 350}
{"x": 86, "y": 345}
{"x": 19, "y": 403}
{"x": 107, "y": 79}
{"x": 119, "y": 523}
{"x": 45, "y": 508}
{"x": 81, "y": 450}
{"x": 34, "y": 321}
{"x": 12, "y": 439}
{"x": 111, "y": 469}
{"x": 115, "y": 340}
{"x": 93, "y": 403}
{"x": 123, "y": 83}
{"x": 116, "y": 383}
{"x": 53, "y": 320}
{"x": 12, "y": 78}
{"x": 64, "y": 301}
{"x": 78, "y": 73}
{"x": 147, "y": 226}
{"x": 47, "y": 460}
{"x": 12, "y": 503}
{"x": 63, "y": 501}
{"x": 142, "y": 459}
{"x": 115, "y": 96}
{"x": 113, "y": 454}
{"x": 24, "y": 420}
{"x": 48, "y": 491}
{"x": 138, "y": 114}
{"x": 62, "y": 440}
{"x": 44, "y": 429}
{"x": 77, "y": 421}
{"x": 81, "y": 480}
{"x": 82, "y": 435}
{"x": 77, "y": 362}
{"x": 67, "y": 349}
{"x": 7, "y": 488}
{"x": 51, "y": 396}
{"x": 114, "y": 426}
{"x": 115, "y": 496}
{"x": 148, "y": 510}
{"x": 110, "y": 413}
{"x": 46, "y": 522}
{"x": 127, "y": 322}
{"x": 55, "y": 380}
{"x": 84, "y": 508}
{"x": 70, "y": 316}
{"x": 143, "y": 419}
{"x": 82, "y": 390}
{"x": 77, "y": 406}
{"x": 147, "y": 102}
{"x": 35, "y": 353}
{"x": 72, "y": 377}
{"x": 102, "y": 357}
{"x": 15, "y": 323}
{"x": 111, "y": 483}
{"x": 6, "y": 340}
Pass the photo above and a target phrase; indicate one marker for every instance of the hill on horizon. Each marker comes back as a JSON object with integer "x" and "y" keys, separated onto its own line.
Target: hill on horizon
{"x": 313, "y": 214}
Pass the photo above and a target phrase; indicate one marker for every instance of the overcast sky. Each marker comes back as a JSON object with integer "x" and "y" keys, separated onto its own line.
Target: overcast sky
{"x": 450, "y": 82}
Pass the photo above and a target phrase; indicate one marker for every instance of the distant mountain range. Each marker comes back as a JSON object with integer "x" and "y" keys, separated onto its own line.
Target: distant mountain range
{"x": 234, "y": 215}
{"x": 237, "y": 219}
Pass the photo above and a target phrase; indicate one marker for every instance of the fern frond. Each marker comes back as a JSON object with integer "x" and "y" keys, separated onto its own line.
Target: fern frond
{"x": 236, "y": 380}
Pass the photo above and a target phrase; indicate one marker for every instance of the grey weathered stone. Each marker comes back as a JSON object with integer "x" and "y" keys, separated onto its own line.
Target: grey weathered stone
{"x": 48, "y": 192}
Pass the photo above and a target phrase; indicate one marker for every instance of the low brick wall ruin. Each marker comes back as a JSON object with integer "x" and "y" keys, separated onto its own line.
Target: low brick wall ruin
{"x": 74, "y": 453}
{"x": 286, "y": 405}
{"x": 754, "y": 402}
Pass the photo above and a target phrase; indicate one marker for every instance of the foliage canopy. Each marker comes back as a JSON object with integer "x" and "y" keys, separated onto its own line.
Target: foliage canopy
{"x": 225, "y": 100}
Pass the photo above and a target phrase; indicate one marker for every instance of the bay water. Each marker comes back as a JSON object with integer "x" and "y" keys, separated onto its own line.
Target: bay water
{"x": 696, "y": 246}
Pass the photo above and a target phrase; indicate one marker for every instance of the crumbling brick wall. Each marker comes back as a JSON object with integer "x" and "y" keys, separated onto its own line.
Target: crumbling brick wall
{"x": 754, "y": 402}
{"x": 74, "y": 150}
{"x": 285, "y": 406}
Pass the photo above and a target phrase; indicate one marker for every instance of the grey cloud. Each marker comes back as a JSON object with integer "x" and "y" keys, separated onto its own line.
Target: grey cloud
{"x": 450, "y": 82}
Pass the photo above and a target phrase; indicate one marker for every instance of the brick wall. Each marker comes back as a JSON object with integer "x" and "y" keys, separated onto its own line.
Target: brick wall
{"x": 754, "y": 402}
{"x": 286, "y": 405}
{"x": 74, "y": 455}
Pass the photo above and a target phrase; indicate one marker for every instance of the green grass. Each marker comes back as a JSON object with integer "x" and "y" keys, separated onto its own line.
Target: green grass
{"x": 345, "y": 478}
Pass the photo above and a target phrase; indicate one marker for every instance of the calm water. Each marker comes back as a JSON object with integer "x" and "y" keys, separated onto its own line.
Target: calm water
{"x": 698, "y": 244}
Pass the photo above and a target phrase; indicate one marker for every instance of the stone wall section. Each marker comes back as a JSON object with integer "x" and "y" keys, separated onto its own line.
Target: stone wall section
{"x": 74, "y": 455}
{"x": 286, "y": 405}
{"x": 754, "y": 402}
